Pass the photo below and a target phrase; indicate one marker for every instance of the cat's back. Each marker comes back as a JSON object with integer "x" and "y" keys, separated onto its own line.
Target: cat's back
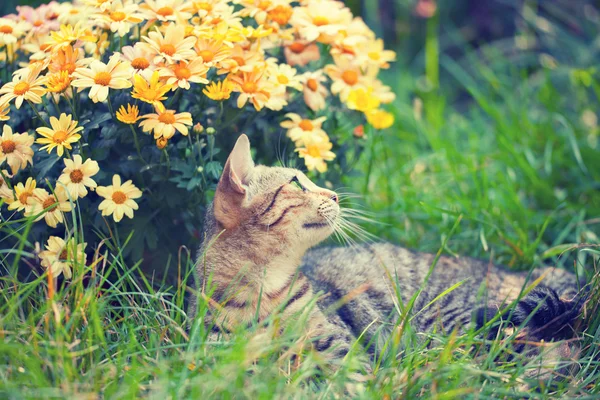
{"x": 384, "y": 266}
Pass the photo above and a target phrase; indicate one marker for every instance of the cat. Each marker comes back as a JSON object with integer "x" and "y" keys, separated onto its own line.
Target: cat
{"x": 257, "y": 254}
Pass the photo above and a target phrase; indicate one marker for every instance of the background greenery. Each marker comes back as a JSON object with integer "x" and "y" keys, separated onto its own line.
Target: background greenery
{"x": 495, "y": 154}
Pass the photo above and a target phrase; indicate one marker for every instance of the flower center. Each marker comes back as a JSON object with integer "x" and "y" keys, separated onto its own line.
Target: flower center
{"x": 320, "y": 20}
{"x": 60, "y": 136}
{"x": 239, "y": 60}
{"x": 283, "y": 79}
{"x": 49, "y": 204}
{"x": 69, "y": 67}
{"x": 8, "y": 146}
{"x": 6, "y": 29}
{"x": 313, "y": 151}
{"x": 38, "y": 23}
{"x": 207, "y": 55}
{"x": 168, "y": 49}
{"x": 117, "y": 16}
{"x": 63, "y": 255}
{"x": 140, "y": 63}
{"x": 297, "y": 47}
{"x": 21, "y": 88}
{"x": 350, "y": 77}
{"x": 312, "y": 84}
{"x": 306, "y": 125}
{"x": 182, "y": 72}
{"x": 119, "y": 197}
{"x": 150, "y": 94}
{"x": 249, "y": 87}
{"x": 23, "y": 197}
{"x": 374, "y": 55}
{"x": 281, "y": 14}
{"x": 76, "y": 176}
{"x": 102, "y": 78}
{"x": 167, "y": 118}
{"x": 165, "y": 11}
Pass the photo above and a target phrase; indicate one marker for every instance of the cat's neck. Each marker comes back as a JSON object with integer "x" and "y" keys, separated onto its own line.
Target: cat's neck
{"x": 253, "y": 267}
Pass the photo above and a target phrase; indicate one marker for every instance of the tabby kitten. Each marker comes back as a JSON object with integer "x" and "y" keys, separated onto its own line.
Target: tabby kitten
{"x": 256, "y": 255}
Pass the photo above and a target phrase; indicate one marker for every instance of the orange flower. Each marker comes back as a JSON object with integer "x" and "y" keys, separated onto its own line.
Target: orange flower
{"x": 251, "y": 87}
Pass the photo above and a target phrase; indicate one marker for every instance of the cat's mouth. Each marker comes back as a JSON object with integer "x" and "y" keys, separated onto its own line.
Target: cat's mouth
{"x": 315, "y": 225}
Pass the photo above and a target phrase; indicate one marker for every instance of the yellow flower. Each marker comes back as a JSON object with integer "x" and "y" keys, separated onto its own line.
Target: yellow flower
{"x": 251, "y": 87}
{"x": 128, "y": 116}
{"x": 67, "y": 59}
{"x": 69, "y": 35}
{"x": 345, "y": 76}
{"x": 58, "y": 82}
{"x": 212, "y": 51}
{"x": 24, "y": 87}
{"x": 362, "y": 100}
{"x": 283, "y": 75}
{"x": 119, "y": 198}
{"x": 99, "y": 77}
{"x": 62, "y": 257}
{"x": 140, "y": 58}
{"x": 22, "y": 194}
{"x": 50, "y": 206}
{"x": 63, "y": 133}
{"x": 120, "y": 18}
{"x": 15, "y": 149}
{"x": 303, "y": 130}
{"x": 4, "y": 110}
{"x": 166, "y": 122}
{"x": 166, "y": 10}
{"x": 182, "y": 73}
{"x": 218, "y": 91}
{"x": 315, "y": 152}
{"x": 77, "y": 175}
{"x": 375, "y": 55}
{"x": 322, "y": 20}
{"x": 380, "y": 119}
{"x": 171, "y": 47}
{"x": 152, "y": 92}
{"x": 12, "y": 30}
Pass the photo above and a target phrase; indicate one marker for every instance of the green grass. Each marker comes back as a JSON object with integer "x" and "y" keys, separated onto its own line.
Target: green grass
{"x": 499, "y": 151}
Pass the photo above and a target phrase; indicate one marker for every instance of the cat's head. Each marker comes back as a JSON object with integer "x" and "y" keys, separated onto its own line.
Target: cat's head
{"x": 272, "y": 201}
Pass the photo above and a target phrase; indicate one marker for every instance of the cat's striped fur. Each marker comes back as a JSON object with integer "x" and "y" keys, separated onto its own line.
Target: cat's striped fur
{"x": 257, "y": 256}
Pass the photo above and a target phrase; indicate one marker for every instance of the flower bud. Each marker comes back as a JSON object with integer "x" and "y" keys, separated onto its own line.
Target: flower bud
{"x": 198, "y": 128}
{"x": 210, "y": 130}
{"x": 162, "y": 142}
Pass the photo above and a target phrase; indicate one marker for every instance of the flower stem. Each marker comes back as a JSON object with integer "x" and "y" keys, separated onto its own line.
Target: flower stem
{"x": 5, "y": 179}
{"x": 37, "y": 113}
{"x": 137, "y": 143}
{"x": 72, "y": 106}
{"x": 110, "y": 108}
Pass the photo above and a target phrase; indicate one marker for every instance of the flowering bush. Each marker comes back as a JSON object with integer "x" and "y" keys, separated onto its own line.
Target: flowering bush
{"x": 129, "y": 108}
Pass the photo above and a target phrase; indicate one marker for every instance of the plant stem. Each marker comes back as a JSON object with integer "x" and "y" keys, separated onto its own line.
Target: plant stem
{"x": 110, "y": 108}
{"x": 137, "y": 143}
{"x": 37, "y": 113}
{"x": 371, "y": 161}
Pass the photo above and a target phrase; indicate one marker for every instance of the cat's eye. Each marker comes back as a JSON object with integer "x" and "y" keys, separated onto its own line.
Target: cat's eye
{"x": 295, "y": 182}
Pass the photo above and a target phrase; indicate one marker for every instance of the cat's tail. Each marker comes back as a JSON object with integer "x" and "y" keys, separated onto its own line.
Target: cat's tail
{"x": 544, "y": 314}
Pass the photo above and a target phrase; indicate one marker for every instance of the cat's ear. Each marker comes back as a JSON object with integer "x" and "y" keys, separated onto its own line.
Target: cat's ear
{"x": 231, "y": 190}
